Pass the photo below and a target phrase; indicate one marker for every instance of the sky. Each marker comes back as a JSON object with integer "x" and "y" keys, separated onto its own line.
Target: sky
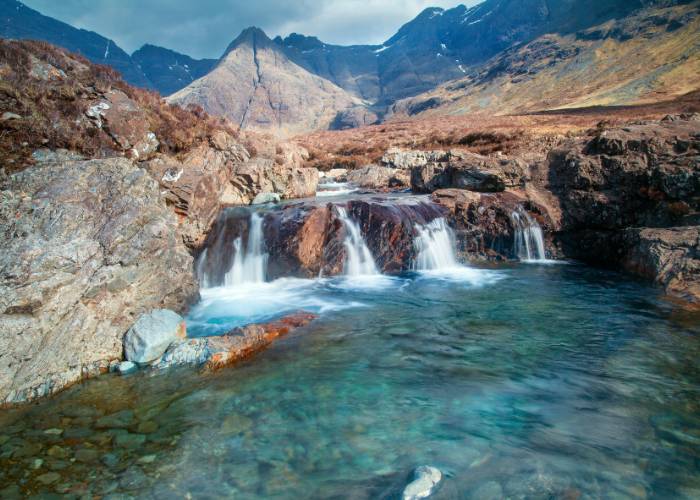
{"x": 204, "y": 28}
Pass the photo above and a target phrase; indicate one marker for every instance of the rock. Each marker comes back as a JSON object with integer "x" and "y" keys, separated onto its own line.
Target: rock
{"x": 264, "y": 198}
{"x": 48, "y": 478}
{"x": 357, "y": 116}
{"x": 57, "y": 452}
{"x": 264, "y": 175}
{"x": 119, "y": 420}
{"x": 236, "y": 424}
{"x": 217, "y": 352}
{"x": 148, "y": 427}
{"x": 127, "y": 368}
{"x": 110, "y": 460}
{"x": 670, "y": 257}
{"x": 53, "y": 432}
{"x": 86, "y": 246}
{"x": 425, "y": 482}
{"x": 87, "y": 455}
{"x": 376, "y": 177}
{"x": 133, "y": 478}
{"x": 629, "y": 199}
{"x": 7, "y": 116}
{"x": 337, "y": 174}
{"x": 469, "y": 171}
{"x": 129, "y": 441}
{"x": 410, "y": 159}
{"x": 152, "y": 334}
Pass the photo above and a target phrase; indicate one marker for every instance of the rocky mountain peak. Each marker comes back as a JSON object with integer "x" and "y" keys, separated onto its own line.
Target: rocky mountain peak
{"x": 251, "y": 37}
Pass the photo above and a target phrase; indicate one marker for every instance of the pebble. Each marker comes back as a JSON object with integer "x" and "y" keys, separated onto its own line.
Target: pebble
{"x": 119, "y": 420}
{"x": 48, "y": 478}
{"x": 37, "y": 463}
{"x": 86, "y": 455}
{"x": 110, "y": 460}
{"x": 130, "y": 441}
{"x": 57, "y": 452}
{"x": 425, "y": 481}
{"x": 148, "y": 459}
{"x": 53, "y": 432}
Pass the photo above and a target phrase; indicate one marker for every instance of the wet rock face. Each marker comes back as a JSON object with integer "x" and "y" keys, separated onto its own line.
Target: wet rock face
{"x": 307, "y": 239}
{"x": 484, "y": 223}
{"x": 87, "y": 246}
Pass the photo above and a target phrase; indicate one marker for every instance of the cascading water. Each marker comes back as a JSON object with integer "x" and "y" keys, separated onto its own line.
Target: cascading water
{"x": 249, "y": 263}
{"x": 359, "y": 260}
{"x": 529, "y": 238}
{"x": 435, "y": 244}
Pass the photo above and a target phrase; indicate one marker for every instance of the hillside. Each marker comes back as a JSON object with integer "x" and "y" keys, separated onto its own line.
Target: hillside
{"x": 650, "y": 56}
{"x": 20, "y": 22}
{"x": 256, "y": 86}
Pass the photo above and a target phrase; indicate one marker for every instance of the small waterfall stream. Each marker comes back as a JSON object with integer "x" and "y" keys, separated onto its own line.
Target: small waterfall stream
{"x": 436, "y": 247}
{"x": 359, "y": 260}
{"x": 529, "y": 238}
{"x": 250, "y": 262}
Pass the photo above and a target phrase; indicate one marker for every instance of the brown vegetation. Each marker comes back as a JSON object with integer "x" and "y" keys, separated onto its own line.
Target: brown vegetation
{"x": 478, "y": 133}
{"x": 45, "y": 92}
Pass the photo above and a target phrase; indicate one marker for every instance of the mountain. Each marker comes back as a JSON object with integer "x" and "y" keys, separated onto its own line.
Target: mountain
{"x": 20, "y": 22}
{"x": 441, "y": 45}
{"x": 650, "y": 55}
{"x": 257, "y": 86}
{"x": 354, "y": 68}
{"x": 169, "y": 71}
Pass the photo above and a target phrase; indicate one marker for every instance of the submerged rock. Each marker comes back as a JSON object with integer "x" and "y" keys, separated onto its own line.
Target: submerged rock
{"x": 126, "y": 368}
{"x": 425, "y": 482}
{"x": 152, "y": 334}
{"x": 217, "y": 352}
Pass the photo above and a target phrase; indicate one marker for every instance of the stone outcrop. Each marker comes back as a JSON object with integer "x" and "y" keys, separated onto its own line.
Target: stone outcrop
{"x": 87, "y": 247}
{"x": 629, "y": 198}
{"x": 261, "y": 175}
{"x": 669, "y": 257}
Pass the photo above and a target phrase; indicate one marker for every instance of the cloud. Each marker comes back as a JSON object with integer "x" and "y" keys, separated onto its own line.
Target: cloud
{"x": 204, "y": 28}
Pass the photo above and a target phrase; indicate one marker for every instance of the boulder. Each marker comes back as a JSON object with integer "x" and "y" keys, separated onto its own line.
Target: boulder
{"x": 86, "y": 248}
{"x": 426, "y": 479}
{"x": 376, "y": 177}
{"x": 468, "y": 171}
{"x": 409, "y": 159}
{"x": 264, "y": 175}
{"x": 152, "y": 334}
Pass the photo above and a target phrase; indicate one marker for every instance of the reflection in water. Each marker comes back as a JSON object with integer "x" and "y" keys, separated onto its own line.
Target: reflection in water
{"x": 552, "y": 382}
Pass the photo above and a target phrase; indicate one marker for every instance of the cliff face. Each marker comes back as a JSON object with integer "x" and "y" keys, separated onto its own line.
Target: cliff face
{"x": 256, "y": 86}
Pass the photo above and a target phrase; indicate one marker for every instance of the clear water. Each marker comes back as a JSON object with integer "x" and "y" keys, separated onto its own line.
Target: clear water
{"x": 519, "y": 382}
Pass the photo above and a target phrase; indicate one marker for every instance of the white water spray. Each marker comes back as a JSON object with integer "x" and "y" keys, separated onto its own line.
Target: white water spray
{"x": 436, "y": 247}
{"x": 359, "y": 260}
{"x": 249, "y": 263}
{"x": 529, "y": 238}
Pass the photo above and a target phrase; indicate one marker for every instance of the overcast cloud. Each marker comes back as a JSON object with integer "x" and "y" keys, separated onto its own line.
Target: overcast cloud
{"x": 203, "y": 28}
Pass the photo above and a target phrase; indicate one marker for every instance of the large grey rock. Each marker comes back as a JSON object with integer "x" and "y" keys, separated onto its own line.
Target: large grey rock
{"x": 152, "y": 334}
{"x": 86, "y": 247}
{"x": 425, "y": 481}
{"x": 377, "y": 177}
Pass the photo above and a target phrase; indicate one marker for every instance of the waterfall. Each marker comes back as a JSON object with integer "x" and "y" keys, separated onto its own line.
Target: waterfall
{"x": 529, "y": 238}
{"x": 201, "y": 271}
{"x": 359, "y": 260}
{"x": 436, "y": 247}
{"x": 250, "y": 262}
